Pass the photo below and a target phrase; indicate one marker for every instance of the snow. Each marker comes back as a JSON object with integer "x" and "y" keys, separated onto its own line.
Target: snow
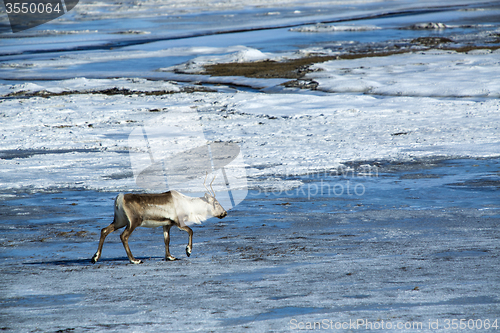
{"x": 197, "y": 64}
{"x": 84, "y": 85}
{"x": 331, "y": 28}
{"x": 430, "y": 25}
{"x": 403, "y": 93}
{"x": 427, "y": 74}
{"x": 439, "y": 26}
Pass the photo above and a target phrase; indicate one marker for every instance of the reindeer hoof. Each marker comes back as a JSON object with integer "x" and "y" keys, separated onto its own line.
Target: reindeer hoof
{"x": 94, "y": 259}
{"x": 188, "y": 251}
{"x": 136, "y": 261}
{"x": 170, "y": 258}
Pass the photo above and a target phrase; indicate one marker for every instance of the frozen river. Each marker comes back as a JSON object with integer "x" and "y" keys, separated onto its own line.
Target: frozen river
{"x": 369, "y": 135}
{"x": 97, "y": 40}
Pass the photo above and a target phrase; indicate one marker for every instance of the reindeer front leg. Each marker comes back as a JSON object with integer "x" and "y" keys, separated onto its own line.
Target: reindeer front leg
{"x": 189, "y": 247}
{"x": 124, "y": 237}
{"x": 166, "y": 236}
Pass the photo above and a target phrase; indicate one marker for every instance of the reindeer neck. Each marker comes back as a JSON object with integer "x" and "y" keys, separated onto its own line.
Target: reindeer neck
{"x": 199, "y": 205}
{"x": 198, "y": 209}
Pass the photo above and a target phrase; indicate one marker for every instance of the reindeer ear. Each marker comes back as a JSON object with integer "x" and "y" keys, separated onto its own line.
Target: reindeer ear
{"x": 207, "y": 197}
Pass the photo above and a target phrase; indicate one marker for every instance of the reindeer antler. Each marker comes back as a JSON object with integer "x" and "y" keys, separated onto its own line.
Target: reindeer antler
{"x": 211, "y": 192}
{"x": 205, "y": 182}
{"x": 211, "y": 185}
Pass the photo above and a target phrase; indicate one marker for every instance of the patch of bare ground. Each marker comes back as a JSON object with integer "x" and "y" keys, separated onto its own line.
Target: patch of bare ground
{"x": 431, "y": 41}
{"x": 109, "y": 92}
{"x": 269, "y": 69}
{"x": 468, "y": 48}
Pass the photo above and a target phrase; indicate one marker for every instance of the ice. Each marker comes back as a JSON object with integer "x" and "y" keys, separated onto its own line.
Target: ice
{"x": 87, "y": 57}
{"x": 274, "y": 261}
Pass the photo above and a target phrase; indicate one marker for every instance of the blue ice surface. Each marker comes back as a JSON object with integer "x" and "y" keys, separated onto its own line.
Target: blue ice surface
{"x": 221, "y": 29}
{"x": 50, "y": 220}
{"x": 353, "y": 248}
{"x": 465, "y": 183}
{"x": 439, "y": 183}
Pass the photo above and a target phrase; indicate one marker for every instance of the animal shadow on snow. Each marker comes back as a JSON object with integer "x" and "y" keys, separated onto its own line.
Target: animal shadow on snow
{"x": 86, "y": 261}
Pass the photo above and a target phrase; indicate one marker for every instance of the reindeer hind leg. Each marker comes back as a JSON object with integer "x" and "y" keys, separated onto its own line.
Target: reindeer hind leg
{"x": 104, "y": 233}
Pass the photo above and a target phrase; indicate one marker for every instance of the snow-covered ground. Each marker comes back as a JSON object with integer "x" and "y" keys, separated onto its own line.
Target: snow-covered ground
{"x": 372, "y": 196}
{"x": 411, "y": 106}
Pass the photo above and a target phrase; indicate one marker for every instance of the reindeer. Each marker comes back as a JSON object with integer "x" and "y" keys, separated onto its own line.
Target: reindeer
{"x": 164, "y": 209}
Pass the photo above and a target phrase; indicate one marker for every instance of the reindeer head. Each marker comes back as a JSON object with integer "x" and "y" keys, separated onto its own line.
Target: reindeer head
{"x": 215, "y": 206}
